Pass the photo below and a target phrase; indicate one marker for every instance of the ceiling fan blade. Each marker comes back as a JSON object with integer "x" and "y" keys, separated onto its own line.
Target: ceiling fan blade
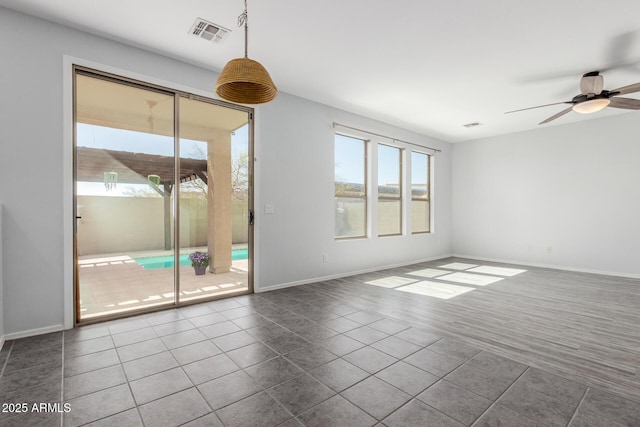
{"x": 540, "y": 106}
{"x": 555, "y": 116}
{"x": 626, "y": 103}
{"x": 627, "y": 89}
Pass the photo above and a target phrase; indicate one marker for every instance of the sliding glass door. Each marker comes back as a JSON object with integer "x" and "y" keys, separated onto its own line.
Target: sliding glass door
{"x": 144, "y": 180}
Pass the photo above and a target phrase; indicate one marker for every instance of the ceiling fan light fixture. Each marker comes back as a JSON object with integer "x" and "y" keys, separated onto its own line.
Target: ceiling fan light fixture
{"x": 244, "y": 80}
{"x": 591, "y": 106}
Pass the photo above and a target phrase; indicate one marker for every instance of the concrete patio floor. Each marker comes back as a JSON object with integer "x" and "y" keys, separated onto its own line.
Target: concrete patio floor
{"x": 116, "y": 283}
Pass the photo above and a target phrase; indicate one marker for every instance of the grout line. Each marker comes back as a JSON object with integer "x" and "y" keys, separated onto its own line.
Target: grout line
{"x": 575, "y": 413}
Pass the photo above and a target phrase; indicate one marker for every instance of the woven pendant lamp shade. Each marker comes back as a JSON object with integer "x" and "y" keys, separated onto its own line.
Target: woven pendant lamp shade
{"x": 245, "y": 81}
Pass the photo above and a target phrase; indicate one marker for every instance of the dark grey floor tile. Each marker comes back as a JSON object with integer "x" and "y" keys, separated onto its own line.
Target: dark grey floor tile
{"x": 608, "y": 405}
{"x": 455, "y": 348}
{"x": 93, "y": 381}
{"x": 125, "y": 325}
{"x": 143, "y": 349}
{"x": 418, "y": 336}
{"x": 42, "y": 393}
{"x": 340, "y": 345}
{"x": 128, "y": 418}
{"x": 234, "y": 340}
{"x": 83, "y": 333}
{"x": 376, "y": 397}
{"x": 292, "y": 422}
{"x": 301, "y": 393}
{"x": 210, "y": 368}
{"x": 370, "y": 359}
{"x": 195, "y": 310}
{"x": 207, "y": 319}
{"x": 273, "y": 372}
{"x": 553, "y": 386}
{"x": 499, "y": 415}
{"x": 310, "y": 357}
{"x": 389, "y": 326}
{"x": 80, "y": 348}
{"x": 175, "y": 409}
{"x": 257, "y": 410}
{"x": 268, "y": 331}
{"x": 251, "y": 354}
{"x": 79, "y": 365}
{"x": 339, "y": 374}
{"x": 32, "y": 419}
{"x": 135, "y": 336}
{"x": 537, "y": 406}
{"x": 455, "y": 402}
{"x": 366, "y": 335}
{"x": 286, "y": 343}
{"x": 33, "y": 357}
{"x": 587, "y": 419}
{"x": 336, "y": 411}
{"x": 487, "y": 384}
{"x": 407, "y": 377}
{"x": 38, "y": 342}
{"x": 27, "y": 378}
{"x": 162, "y": 317}
{"x": 210, "y": 420}
{"x": 396, "y": 347}
{"x": 237, "y": 313}
{"x": 149, "y": 365}
{"x": 341, "y": 324}
{"x": 159, "y": 385}
{"x": 436, "y": 363}
{"x": 220, "y": 329}
{"x": 183, "y": 338}
{"x": 250, "y": 321}
{"x": 316, "y": 333}
{"x": 228, "y": 389}
{"x": 364, "y": 317}
{"x": 491, "y": 362}
{"x": 342, "y": 309}
{"x": 224, "y": 305}
{"x": 416, "y": 413}
{"x": 94, "y": 406}
{"x": 173, "y": 327}
{"x": 194, "y": 352}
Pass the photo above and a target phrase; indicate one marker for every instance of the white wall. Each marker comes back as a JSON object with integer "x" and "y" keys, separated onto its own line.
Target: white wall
{"x": 294, "y": 147}
{"x": 1, "y": 284}
{"x": 573, "y": 188}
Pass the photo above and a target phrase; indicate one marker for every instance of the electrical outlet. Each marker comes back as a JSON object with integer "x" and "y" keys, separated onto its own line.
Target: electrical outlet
{"x": 548, "y": 249}
{"x": 325, "y": 258}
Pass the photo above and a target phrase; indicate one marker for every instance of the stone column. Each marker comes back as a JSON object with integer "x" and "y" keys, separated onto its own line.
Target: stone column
{"x": 219, "y": 201}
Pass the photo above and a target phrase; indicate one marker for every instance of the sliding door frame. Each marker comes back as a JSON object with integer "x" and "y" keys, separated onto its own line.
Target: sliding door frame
{"x": 176, "y": 94}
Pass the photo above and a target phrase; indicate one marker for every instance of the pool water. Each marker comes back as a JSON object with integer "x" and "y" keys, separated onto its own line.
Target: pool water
{"x": 156, "y": 262}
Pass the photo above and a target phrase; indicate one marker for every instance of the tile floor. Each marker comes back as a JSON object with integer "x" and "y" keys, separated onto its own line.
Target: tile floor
{"x": 293, "y": 357}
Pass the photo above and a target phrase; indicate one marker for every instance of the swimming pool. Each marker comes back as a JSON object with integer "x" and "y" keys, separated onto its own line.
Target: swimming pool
{"x": 167, "y": 261}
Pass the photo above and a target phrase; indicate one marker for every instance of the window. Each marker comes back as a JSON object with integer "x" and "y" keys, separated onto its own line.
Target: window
{"x": 350, "y": 187}
{"x": 389, "y": 190}
{"x": 420, "y": 220}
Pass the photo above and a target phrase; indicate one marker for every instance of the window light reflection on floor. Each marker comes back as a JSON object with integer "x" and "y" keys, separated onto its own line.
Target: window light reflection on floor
{"x": 428, "y": 272}
{"x": 458, "y": 266}
{"x": 390, "y": 281}
{"x": 435, "y": 289}
{"x": 499, "y": 271}
{"x": 470, "y": 279}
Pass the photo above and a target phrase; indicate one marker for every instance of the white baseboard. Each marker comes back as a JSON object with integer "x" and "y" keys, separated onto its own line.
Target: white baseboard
{"x": 347, "y": 274}
{"x": 551, "y": 266}
{"x": 33, "y": 332}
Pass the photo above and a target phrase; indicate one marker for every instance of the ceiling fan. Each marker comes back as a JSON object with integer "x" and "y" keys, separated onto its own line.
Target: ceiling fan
{"x": 594, "y": 98}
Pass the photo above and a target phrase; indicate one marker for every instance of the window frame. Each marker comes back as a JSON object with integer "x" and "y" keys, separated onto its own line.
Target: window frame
{"x": 420, "y": 199}
{"x": 365, "y": 188}
{"x": 400, "y": 196}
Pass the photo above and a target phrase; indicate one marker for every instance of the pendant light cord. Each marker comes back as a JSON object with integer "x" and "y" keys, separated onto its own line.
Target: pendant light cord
{"x": 243, "y": 20}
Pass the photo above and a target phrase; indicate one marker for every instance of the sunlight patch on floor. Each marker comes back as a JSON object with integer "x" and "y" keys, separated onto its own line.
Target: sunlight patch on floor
{"x": 471, "y": 279}
{"x": 390, "y": 281}
{"x": 428, "y": 272}
{"x": 435, "y": 289}
{"x": 458, "y": 266}
{"x": 500, "y": 271}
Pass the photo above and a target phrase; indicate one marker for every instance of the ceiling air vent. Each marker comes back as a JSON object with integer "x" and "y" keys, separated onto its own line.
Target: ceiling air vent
{"x": 209, "y": 31}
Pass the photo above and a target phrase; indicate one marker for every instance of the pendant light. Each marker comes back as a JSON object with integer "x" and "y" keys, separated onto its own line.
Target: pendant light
{"x": 244, "y": 80}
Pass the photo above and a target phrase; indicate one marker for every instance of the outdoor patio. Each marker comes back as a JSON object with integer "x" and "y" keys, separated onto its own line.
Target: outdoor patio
{"x": 116, "y": 283}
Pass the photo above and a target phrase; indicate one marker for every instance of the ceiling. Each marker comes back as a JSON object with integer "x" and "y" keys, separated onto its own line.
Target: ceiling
{"x": 430, "y": 66}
